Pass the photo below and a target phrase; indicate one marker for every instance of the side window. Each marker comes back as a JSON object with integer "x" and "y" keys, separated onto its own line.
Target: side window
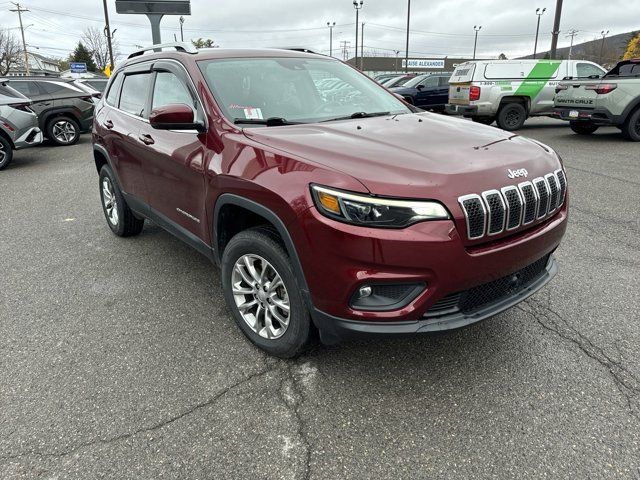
{"x": 133, "y": 98}
{"x": 585, "y": 70}
{"x": 57, "y": 88}
{"x": 169, "y": 89}
{"x": 444, "y": 81}
{"x": 28, "y": 89}
{"x": 430, "y": 82}
{"x": 114, "y": 91}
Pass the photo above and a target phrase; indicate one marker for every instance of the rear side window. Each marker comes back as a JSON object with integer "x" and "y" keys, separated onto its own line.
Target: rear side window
{"x": 169, "y": 89}
{"x": 133, "y": 98}
{"x": 58, "y": 88}
{"x": 585, "y": 70}
{"x": 631, "y": 69}
{"x": 444, "y": 81}
{"x": 26, "y": 88}
{"x": 114, "y": 90}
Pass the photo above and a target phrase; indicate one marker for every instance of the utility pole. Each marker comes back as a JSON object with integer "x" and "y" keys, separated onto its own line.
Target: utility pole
{"x": 539, "y": 13}
{"x": 357, "y": 6}
{"x": 397, "y": 53}
{"x": 19, "y": 9}
{"x": 572, "y": 33}
{"x": 362, "y": 48}
{"x": 406, "y": 53}
{"x": 556, "y": 30}
{"x": 344, "y": 45}
{"x": 604, "y": 34}
{"x": 107, "y": 32}
{"x": 181, "y": 31}
{"x": 476, "y": 28}
{"x": 331, "y": 25}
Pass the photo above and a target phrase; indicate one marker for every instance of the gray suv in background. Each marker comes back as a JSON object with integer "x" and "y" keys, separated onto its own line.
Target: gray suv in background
{"x": 18, "y": 124}
{"x": 64, "y": 110}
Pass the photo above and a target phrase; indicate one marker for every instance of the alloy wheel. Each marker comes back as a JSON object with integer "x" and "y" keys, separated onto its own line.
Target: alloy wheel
{"x": 3, "y": 154}
{"x": 64, "y": 131}
{"x": 109, "y": 201}
{"x": 260, "y": 296}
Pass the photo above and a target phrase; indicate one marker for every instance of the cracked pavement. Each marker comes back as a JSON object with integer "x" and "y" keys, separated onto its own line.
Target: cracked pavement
{"x": 119, "y": 360}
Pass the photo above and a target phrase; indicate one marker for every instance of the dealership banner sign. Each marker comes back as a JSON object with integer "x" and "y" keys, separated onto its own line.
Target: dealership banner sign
{"x": 423, "y": 63}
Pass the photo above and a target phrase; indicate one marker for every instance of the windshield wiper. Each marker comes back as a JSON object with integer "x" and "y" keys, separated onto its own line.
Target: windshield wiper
{"x": 359, "y": 115}
{"x": 269, "y": 122}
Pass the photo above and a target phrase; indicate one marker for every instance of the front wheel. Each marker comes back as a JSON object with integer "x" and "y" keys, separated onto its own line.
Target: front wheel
{"x": 631, "y": 127}
{"x": 263, "y": 295}
{"x": 119, "y": 216}
{"x": 63, "y": 131}
{"x": 512, "y": 116}
{"x": 6, "y": 152}
{"x": 582, "y": 128}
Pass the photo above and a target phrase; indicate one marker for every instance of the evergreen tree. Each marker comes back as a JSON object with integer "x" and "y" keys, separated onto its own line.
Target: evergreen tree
{"x": 82, "y": 54}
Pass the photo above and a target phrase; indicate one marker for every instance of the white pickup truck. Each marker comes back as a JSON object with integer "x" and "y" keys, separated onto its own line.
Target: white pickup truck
{"x": 510, "y": 91}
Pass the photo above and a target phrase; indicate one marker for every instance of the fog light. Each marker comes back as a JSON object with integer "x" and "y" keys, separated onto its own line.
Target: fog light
{"x": 389, "y": 296}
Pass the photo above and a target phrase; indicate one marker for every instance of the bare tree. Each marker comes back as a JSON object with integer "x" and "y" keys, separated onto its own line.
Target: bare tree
{"x": 10, "y": 51}
{"x": 96, "y": 41}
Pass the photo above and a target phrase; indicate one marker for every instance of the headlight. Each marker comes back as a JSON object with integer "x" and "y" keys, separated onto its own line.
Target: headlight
{"x": 374, "y": 212}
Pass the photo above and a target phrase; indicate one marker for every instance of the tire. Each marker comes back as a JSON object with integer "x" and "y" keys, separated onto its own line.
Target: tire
{"x": 63, "y": 130}
{"x": 260, "y": 247}
{"x": 582, "y": 128}
{"x": 6, "y": 152}
{"x": 631, "y": 127}
{"x": 511, "y": 116}
{"x": 119, "y": 216}
{"x": 484, "y": 120}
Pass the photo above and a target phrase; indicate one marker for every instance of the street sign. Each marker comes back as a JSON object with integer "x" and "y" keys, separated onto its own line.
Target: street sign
{"x": 78, "y": 67}
{"x": 157, "y": 7}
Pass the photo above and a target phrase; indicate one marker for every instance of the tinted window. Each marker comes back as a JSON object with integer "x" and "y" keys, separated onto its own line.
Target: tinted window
{"x": 430, "y": 82}
{"x": 7, "y": 91}
{"x": 98, "y": 85}
{"x": 133, "y": 98}
{"x": 114, "y": 90}
{"x": 57, "y": 88}
{"x": 169, "y": 89}
{"x": 30, "y": 89}
{"x": 444, "y": 81}
{"x": 586, "y": 70}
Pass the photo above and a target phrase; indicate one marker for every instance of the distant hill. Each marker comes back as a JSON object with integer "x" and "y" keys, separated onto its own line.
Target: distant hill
{"x": 614, "y": 49}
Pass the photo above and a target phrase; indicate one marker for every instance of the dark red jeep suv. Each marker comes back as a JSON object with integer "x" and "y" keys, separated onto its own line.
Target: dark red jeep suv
{"x": 330, "y": 205}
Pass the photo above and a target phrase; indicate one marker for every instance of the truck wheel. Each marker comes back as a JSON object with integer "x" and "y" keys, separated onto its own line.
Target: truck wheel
{"x": 512, "y": 116}
{"x": 119, "y": 216}
{"x": 484, "y": 120}
{"x": 63, "y": 131}
{"x": 263, "y": 295}
{"x": 582, "y": 128}
{"x": 6, "y": 152}
{"x": 631, "y": 127}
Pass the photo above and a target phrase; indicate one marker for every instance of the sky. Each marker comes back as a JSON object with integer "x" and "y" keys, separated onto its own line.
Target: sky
{"x": 439, "y": 27}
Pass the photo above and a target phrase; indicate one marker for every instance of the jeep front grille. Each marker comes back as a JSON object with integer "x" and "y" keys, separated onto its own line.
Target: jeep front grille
{"x": 495, "y": 211}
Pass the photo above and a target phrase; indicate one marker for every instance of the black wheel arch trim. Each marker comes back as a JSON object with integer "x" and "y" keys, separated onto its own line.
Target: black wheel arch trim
{"x": 630, "y": 108}
{"x": 103, "y": 151}
{"x": 259, "y": 209}
{"x": 45, "y": 116}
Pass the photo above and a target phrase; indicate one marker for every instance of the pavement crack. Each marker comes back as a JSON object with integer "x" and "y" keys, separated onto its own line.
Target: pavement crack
{"x": 157, "y": 426}
{"x": 627, "y": 383}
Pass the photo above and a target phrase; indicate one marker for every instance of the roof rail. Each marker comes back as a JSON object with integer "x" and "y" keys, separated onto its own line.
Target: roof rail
{"x": 179, "y": 46}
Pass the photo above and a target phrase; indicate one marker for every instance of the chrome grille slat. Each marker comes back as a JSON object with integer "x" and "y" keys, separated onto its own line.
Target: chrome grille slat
{"x": 498, "y": 210}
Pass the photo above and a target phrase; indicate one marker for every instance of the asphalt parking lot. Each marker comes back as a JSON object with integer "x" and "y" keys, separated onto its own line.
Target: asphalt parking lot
{"x": 119, "y": 360}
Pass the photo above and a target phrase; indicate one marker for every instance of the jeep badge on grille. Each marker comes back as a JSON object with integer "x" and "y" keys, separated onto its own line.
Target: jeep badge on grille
{"x": 521, "y": 172}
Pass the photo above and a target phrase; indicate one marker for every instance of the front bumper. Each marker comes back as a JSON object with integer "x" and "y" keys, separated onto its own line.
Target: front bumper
{"x": 597, "y": 116}
{"x": 30, "y": 137}
{"x": 334, "y": 329}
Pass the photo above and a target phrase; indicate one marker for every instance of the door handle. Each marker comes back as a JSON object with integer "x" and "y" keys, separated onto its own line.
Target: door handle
{"x": 146, "y": 139}
{"x": 108, "y": 124}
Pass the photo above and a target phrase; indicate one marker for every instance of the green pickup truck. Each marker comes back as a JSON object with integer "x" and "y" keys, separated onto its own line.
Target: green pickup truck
{"x": 613, "y": 99}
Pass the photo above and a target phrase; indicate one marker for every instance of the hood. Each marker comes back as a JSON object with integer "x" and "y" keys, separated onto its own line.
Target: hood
{"x": 422, "y": 155}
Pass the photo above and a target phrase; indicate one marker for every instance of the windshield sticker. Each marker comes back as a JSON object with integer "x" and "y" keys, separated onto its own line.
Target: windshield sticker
{"x": 253, "y": 113}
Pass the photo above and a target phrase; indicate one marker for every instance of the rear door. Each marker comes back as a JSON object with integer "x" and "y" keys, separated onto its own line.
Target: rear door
{"x": 174, "y": 160}
{"x": 30, "y": 89}
{"x": 427, "y": 91}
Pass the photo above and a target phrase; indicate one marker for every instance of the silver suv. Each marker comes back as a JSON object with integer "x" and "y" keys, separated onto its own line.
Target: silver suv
{"x": 18, "y": 124}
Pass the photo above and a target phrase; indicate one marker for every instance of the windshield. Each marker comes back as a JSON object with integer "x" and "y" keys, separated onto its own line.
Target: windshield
{"x": 415, "y": 81}
{"x": 302, "y": 90}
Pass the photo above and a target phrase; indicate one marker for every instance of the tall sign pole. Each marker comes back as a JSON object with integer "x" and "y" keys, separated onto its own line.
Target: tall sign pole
{"x": 107, "y": 31}
{"x": 406, "y": 53}
{"x": 154, "y": 10}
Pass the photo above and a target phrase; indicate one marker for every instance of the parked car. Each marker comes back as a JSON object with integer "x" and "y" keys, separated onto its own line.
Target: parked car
{"x": 18, "y": 124}
{"x": 510, "y": 91}
{"x": 428, "y": 92}
{"x": 386, "y": 76}
{"x": 359, "y": 218}
{"x": 612, "y": 100}
{"x": 97, "y": 85}
{"x": 398, "y": 81}
{"x": 64, "y": 110}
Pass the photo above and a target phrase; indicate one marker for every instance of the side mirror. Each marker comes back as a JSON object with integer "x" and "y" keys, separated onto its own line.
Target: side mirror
{"x": 176, "y": 116}
{"x": 420, "y": 87}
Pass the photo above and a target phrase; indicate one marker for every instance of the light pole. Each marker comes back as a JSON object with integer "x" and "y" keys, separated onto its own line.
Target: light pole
{"x": 357, "y": 5}
{"x": 181, "y": 31}
{"x": 362, "y": 48}
{"x": 556, "y": 30}
{"x": 406, "y": 53}
{"x": 476, "y": 28}
{"x": 397, "y": 53}
{"x": 604, "y": 34}
{"x": 539, "y": 13}
{"x": 331, "y": 25}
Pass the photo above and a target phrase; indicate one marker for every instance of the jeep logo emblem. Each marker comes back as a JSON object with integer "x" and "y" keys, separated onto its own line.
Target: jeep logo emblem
{"x": 521, "y": 172}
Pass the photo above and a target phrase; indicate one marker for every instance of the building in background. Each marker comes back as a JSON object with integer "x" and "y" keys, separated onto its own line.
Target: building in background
{"x": 39, "y": 66}
{"x": 376, "y": 65}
